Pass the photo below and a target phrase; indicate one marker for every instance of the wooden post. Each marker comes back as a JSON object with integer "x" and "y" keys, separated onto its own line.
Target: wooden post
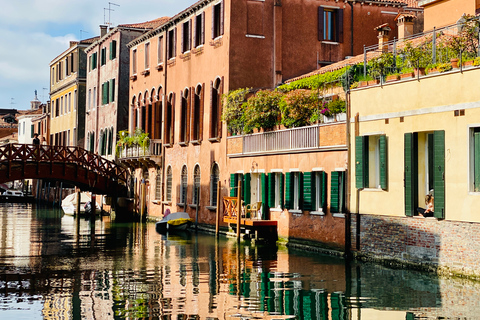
{"x": 142, "y": 198}
{"x": 94, "y": 204}
{"x": 79, "y": 200}
{"x": 239, "y": 208}
{"x": 60, "y": 195}
{"x": 217, "y": 225}
{"x": 135, "y": 196}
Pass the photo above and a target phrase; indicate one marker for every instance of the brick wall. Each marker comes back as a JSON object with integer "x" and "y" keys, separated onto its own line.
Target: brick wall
{"x": 440, "y": 245}
{"x": 333, "y": 135}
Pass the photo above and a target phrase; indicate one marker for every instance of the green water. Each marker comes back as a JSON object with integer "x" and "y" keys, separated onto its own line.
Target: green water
{"x": 54, "y": 266}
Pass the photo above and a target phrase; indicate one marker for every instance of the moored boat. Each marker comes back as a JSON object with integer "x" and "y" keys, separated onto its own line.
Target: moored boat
{"x": 176, "y": 221}
{"x": 15, "y": 196}
{"x": 69, "y": 203}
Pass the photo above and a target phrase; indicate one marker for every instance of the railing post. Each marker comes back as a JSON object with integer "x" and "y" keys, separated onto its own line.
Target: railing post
{"x": 364, "y": 61}
{"x": 434, "y": 46}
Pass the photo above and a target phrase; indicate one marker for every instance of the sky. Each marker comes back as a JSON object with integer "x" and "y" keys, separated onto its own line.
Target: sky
{"x": 34, "y": 32}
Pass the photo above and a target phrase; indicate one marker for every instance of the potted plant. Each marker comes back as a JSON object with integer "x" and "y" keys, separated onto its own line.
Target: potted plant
{"x": 418, "y": 57}
{"x": 381, "y": 65}
{"x": 406, "y": 73}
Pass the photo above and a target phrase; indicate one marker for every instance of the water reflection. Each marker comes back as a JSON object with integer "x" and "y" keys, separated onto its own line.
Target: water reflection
{"x": 54, "y": 266}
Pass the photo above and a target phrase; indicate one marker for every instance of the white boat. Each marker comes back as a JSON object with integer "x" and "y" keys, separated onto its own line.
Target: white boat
{"x": 176, "y": 221}
{"x": 15, "y": 196}
{"x": 69, "y": 203}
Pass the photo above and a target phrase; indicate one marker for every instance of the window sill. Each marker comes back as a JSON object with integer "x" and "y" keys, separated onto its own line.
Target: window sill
{"x": 217, "y": 42}
{"x": 196, "y": 142}
{"x": 168, "y": 145}
{"x": 168, "y": 203}
{"x": 145, "y": 73}
{"x": 185, "y": 56}
{"x": 183, "y": 144}
{"x": 211, "y": 208}
{"x": 317, "y": 213}
{"x": 338, "y": 215}
{"x": 157, "y": 201}
{"x": 213, "y": 140}
{"x": 198, "y": 50}
{"x": 331, "y": 42}
{"x": 254, "y": 36}
{"x": 193, "y": 206}
{"x": 134, "y": 77}
{"x": 276, "y": 209}
{"x": 181, "y": 204}
{"x": 373, "y": 189}
{"x": 296, "y": 211}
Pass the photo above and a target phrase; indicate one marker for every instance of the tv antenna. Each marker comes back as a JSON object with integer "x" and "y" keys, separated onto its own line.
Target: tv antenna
{"x": 12, "y": 102}
{"x": 109, "y": 23}
{"x": 82, "y": 31}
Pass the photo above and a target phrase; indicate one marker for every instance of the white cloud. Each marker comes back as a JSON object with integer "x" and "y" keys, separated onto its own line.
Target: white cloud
{"x": 34, "y": 32}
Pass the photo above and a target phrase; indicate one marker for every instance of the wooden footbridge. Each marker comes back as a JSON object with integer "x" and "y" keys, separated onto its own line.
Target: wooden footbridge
{"x": 75, "y": 165}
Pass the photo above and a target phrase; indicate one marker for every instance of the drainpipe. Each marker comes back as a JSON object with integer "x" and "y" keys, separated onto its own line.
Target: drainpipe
{"x": 348, "y": 227}
{"x": 162, "y": 134}
{"x": 351, "y": 28}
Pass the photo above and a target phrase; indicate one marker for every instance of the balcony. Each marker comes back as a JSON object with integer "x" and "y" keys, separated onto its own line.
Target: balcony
{"x": 330, "y": 136}
{"x": 150, "y": 155}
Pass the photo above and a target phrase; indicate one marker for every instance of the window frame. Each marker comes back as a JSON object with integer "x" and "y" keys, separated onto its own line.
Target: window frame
{"x": 183, "y": 186}
{"x": 196, "y": 185}
{"x": 168, "y": 182}
{"x": 214, "y": 178}
{"x": 335, "y": 24}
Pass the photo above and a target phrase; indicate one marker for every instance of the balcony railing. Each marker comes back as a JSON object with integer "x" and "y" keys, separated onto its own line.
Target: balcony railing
{"x": 154, "y": 149}
{"x": 303, "y": 139}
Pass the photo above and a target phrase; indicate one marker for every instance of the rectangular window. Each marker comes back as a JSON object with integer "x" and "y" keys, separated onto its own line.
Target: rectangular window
{"x": 72, "y": 63}
{"x": 314, "y": 191}
{"x": 371, "y": 162}
{"x": 158, "y": 185}
{"x": 338, "y": 192}
{"x": 59, "y": 68}
{"x": 112, "y": 90}
{"x": 199, "y": 36}
{"x": 89, "y": 98}
{"x": 103, "y": 56}
{"x": 256, "y": 192}
{"x": 171, "y": 44}
{"x": 330, "y": 24}
{"x": 234, "y": 178}
{"x": 57, "y": 107}
{"x": 424, "y": 171}
{"x": 147, "y": 56}
{"x": 186, "y": 36}
{"x": 134, "y": 61}
{"x": 61, "y": 105}
{"x": 69, "y": 102}
{"x": 475, "y": 159}
{"x": 160, "y": 50}
{"x": 94, "y": 96}
{"x": 293, "y": 188}
{"x": 217, "y": 20}
{"x": 93, "y": 61}
{"x": 113, "y": 49}
{"x": 275, "y": 190}
{"x": 66, "y": 67}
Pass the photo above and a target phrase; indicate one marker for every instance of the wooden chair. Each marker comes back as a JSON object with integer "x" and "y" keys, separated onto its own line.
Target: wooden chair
{"x": 252, "y": 210}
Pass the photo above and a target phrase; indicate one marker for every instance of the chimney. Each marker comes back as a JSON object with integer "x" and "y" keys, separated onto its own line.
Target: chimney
{"x": 405, "y": 24}
{"x": 103, "y": 30}
{"x": 383, "y": 31}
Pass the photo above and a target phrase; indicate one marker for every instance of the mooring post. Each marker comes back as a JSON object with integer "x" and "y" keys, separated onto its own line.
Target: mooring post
{"x": 142, "y": 199}
{"x": 94, "y": 204}
{"x": 60, "y": 196}
{"x": 135, "y": 194}
{"x": 217, "y": 224}
{"x": 78, "y": 201}
{"x": 239, "y": 208}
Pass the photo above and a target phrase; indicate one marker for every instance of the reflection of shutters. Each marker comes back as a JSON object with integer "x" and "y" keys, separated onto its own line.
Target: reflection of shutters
{"x": 264, "y": 182}
{"x": 335, "y": 192}
{"x": 339, "y": 25}
{"x": 411, "y": 174}
{"x": 309, "y": 191}
{"x": 320, "y": 23}
{"x": 271, "y": 190}
{"x": 246, "y": 187}
{"x": 439, "y": 173}
{"x": 476, "y": 185}
{"x": 383, "y": 162}
{"x": 361, "y": 162}
{"x": 288, "y": 191}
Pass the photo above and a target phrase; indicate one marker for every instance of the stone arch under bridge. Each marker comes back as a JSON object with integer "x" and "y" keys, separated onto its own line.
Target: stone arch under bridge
{"x": 75, "y": 165}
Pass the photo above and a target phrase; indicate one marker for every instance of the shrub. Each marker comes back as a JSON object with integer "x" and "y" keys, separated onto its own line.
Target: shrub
{"x": 297, "y": 107}
{"x": 262, "y": 111}
{"x": 314, "y": 82}
{"x": 234, "y": 108}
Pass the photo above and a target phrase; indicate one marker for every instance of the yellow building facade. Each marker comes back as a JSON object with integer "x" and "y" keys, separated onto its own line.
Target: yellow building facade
{"x": 408, "y": 139}
{"x": 67, "y": 95}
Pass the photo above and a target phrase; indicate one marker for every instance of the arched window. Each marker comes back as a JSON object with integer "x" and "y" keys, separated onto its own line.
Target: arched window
{"x": 184, "y": 116}
{"x": 214, "y": 176}
{"x": 196, "y": 185}
{"x": 197, "y": 114}
{"x": 169, "y": 117}
{"x": 169, "y": 184}
{"x": 92, "y": 142}
{"x": 215, "y": 122}
{"x": 110, "y": 141}
{"x": 183, "y": 186}
{"x": 100, "y": 143}
{"x": 158, "y": 185}
{"x": 158, "y": 115}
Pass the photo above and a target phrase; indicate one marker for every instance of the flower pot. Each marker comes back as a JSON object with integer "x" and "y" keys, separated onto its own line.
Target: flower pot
{"x": 433, "y": 70}
{"x": 407, "y": 75}
{"x": 373, "y": 82}
{"x": 419, "y": 71}
{"x": 468, "y": 63}
{"x": 392, "y": 77}
{"x": 362, "y": 84}
{"x": 454, "y": 62}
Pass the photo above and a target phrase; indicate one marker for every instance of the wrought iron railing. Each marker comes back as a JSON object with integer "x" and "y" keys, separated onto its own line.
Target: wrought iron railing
{"x": 136, "y": 151}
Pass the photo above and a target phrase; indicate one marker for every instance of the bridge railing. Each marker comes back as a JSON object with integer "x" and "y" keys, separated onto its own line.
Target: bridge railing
{"x": 64, "y": 154}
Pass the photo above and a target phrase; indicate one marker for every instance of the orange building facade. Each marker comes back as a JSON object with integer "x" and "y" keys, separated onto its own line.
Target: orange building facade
{"x": 178, "y": 74}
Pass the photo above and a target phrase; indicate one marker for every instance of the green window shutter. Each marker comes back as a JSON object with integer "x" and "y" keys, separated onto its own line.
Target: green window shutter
{"x": 410, "y": 173}
{"x": 282, "y": 196}
{"x": 323, "y": 197}
{"x": 271, "y": 190}
{"x": 439, "y": 174}
{"x": 288, "y": 191}
{"x": 94, "y": 60}
{"x": 264, "y": 183}
{"x": 476, "y": 169}
{"x": 308, "y": 191}
{"x": 383, "y": 162}
{"x": 112, "y": 90}
{"x": 361, "y": 162}
{"x": 334, "y": 193}
{"x": 247, "y": 178}
{"x": 104, "y": 93}
{"x": 233, "y": 185}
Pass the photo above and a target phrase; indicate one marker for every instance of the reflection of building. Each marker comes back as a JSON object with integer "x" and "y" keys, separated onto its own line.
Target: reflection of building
{"x": 67, "y": 95}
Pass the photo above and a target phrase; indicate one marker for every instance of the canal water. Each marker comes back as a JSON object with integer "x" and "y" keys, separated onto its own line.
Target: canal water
{"x": 54, "y": 266}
